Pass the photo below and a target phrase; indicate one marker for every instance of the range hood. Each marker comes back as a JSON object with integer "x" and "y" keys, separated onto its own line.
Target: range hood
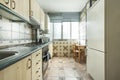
{"x": 11, "y": 15}
{"x": 15, "y": 17}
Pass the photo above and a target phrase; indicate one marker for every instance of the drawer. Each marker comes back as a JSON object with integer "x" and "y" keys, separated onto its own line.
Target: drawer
{"x": 37, "y": 55}
{"x": 39, "y": 77}
{"x": 37, "y": 71}
{"x": 36, "y": 63}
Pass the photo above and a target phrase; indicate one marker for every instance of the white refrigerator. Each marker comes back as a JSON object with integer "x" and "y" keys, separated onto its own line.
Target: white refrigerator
{"x": 95, "y": 41}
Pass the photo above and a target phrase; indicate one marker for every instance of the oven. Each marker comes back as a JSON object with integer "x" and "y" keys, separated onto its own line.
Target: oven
{"x": 45, "y": 57}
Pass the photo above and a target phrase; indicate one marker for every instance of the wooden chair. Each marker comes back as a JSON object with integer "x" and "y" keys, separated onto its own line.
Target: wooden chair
{"x": 81, "y": 55}
{"x": 74, "y": 50}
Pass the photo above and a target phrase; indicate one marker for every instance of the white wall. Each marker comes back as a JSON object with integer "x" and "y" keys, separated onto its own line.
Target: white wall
{"x": 112, "y": 39}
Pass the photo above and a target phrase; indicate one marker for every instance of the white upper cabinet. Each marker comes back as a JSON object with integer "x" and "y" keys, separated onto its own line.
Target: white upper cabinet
{"x": 24, "y": 9}
{"x": 47, "y": 23}
{"x": 21, "y": 7}
{"x": 35, "y": 11}
{"x": 42, "y": 19}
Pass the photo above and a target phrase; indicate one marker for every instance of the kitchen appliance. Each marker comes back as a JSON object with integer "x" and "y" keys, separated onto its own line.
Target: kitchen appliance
{"x": 95, "y": 42}
{"x": 44, "y": 40}
{"x": 40, "y": 40}
{"x": 45, "y": 57}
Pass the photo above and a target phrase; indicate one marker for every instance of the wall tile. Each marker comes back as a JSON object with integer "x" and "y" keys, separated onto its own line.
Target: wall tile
{"x": 63, "y": 48}
{"x": 17, "y": 32}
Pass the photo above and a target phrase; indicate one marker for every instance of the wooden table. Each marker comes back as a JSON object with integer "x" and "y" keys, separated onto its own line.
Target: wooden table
{"x": 80, "y": 53}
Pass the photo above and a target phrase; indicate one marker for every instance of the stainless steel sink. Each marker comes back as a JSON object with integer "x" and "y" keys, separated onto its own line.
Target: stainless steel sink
{"x": 5, "y": 54}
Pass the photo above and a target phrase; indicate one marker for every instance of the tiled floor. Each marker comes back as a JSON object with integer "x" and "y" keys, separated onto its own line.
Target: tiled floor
{"x": 65, "y": 69}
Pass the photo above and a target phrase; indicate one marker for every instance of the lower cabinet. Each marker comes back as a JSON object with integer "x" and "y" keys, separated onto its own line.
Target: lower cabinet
{"x": 26, "y": 66}
{"x": 29, "y": 68}
{"x": 18, "y": 71}
{"x": 37, "y": 65}
{"x": 9, "y": 73}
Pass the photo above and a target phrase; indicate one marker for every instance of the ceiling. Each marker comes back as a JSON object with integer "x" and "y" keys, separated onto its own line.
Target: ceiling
{"x": 62, "y": 5}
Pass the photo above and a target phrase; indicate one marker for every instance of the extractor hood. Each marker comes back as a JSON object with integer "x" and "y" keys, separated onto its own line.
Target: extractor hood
{"x": 15, "y": 17}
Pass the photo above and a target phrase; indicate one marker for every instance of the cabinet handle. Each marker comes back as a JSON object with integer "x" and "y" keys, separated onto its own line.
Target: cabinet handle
{"x": 29, "y": 61}
{"x": 36, "y": 55}
{"x": 6, "y": 1}
{"x": 37, "y": 63}
{"x": 39, "y": 76}
{"x": 37, "y": 71}
{"x": 13, "y": 5}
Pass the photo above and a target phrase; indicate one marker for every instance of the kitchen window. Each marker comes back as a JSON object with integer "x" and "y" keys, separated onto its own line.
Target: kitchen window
{"x": 65, "y": 30}
{"x": 57, "y": 31}
{"x": 74, "y": 30}
{"x": 83, "y": 32}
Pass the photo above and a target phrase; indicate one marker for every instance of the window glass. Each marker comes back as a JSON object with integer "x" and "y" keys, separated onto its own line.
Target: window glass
{"x": 82, "y": 33}
{"x": 57, "y": 30}
{"x": 74, "y": 30}
{"x": 69, "y": 30}
{"x": 51, "y": 31}
{"x": 66, "y": 30}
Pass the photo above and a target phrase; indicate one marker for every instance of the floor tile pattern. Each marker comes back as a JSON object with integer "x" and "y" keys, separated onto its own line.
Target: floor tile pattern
{"x": 61, "y": 68}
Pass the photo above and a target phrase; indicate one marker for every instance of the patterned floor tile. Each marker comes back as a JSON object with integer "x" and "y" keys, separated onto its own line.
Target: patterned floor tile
{"x": 53, "y": 73}
{"x": 52, "y": 78}
{"x": 61, "y": 78}
{"x": 70, "y": 78}
{"x": 61, "y": 68}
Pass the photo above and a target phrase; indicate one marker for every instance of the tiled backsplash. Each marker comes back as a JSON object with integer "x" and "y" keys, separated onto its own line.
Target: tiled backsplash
{"x": 14, "y": 32}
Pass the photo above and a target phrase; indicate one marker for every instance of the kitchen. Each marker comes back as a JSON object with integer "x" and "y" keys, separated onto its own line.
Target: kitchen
{"x": 59, "y": 40}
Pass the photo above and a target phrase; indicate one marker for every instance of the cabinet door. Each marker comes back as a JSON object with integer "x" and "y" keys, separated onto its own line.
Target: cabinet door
{"x": 95, "y": 26}
{"x": 5, "y": 2}
{"x": 37, "y": 65}
{"x": 18, "y": 71}
{"x": 26, "y": 9}
{"x": 26, "y": 68}
{"x": 95, "y": 64}
{"x": 21, "y": 7}
{"x": 47, "y": 23}
{"x": 9, "y": 73}
{"x": 35, "y": 10}
{"x": 1, "y": 75}
{"x": 42, "y": 19}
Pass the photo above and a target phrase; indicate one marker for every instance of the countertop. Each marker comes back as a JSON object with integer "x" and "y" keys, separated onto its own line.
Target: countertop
{"x": 23, "y": 51}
